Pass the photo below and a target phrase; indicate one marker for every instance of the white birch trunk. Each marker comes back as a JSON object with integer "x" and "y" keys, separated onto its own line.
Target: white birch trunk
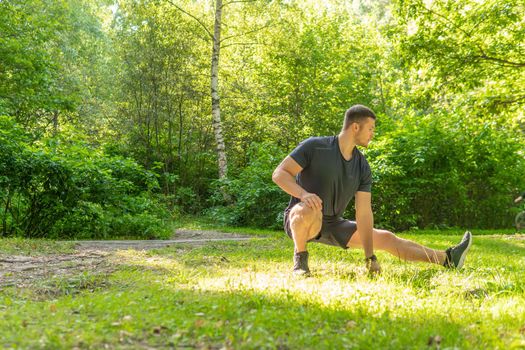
{"x": 215, "y": 99}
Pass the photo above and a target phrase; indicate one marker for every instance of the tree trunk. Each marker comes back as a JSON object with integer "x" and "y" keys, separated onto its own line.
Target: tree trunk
{"x": 215, "y": 99}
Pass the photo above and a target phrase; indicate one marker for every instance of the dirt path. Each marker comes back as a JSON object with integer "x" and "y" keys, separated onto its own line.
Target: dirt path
{"x": 92, "y": 256}
{"x": 192, "y": 237}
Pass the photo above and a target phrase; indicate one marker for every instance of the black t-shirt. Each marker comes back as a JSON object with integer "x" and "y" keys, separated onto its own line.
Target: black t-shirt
{"x": 327, "y": 174}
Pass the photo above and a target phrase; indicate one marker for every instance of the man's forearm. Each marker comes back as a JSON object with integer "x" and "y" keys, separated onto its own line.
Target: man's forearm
{"x": 287, "y": 183}
{"x": 365, "y": 225}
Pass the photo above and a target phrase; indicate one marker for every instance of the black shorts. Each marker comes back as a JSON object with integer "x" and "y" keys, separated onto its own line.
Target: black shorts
{"x": 334, "y": 231}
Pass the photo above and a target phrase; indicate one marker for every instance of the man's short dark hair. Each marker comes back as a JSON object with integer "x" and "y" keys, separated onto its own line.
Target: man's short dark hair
{"x": 357, "y": 114}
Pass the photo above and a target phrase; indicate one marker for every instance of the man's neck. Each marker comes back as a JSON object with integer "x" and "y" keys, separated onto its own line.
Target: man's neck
{"x": 346, "y": 144}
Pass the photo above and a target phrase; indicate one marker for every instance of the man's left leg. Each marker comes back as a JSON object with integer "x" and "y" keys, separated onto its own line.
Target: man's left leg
{"x": 411, "y": 251}
{"x": 303, "y": 224}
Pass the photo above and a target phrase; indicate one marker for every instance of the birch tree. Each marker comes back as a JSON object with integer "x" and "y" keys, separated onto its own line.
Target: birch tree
{"x": 215, "y": 38}
{"x": 215, "y": 97}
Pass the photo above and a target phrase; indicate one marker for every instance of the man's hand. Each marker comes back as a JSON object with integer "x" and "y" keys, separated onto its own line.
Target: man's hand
{"x": 518, "y": 199}
{"x": 373, "y": 265}
{"x": 312, "y": 200}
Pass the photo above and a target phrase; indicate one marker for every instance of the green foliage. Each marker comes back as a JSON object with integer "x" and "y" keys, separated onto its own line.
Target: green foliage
{"x": 441, "y": 171}
{"x": 257, "y": 201}
{"x": 51, "y": 54}
{"x": 317, "y": 66}
{"x": 467, "y": 46}
{"x": 163, "y": 120}
{"x": 445, "y": 78}
{"x": 67, "y": 189}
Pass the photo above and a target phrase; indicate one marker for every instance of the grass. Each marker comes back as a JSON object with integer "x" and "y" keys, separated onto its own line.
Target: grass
{"x": 22, "y": 246}
{"x": 240, "y": 295}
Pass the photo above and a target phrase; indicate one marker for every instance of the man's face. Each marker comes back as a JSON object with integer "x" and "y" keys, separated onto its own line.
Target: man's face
{"x": 365, "y": 132}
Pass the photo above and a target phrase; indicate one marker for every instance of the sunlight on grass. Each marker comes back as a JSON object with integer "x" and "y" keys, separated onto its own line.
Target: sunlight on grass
{"x": 142, "y": 258}
{"x": 401, "y": 291}
{"x": 242, "y": 295}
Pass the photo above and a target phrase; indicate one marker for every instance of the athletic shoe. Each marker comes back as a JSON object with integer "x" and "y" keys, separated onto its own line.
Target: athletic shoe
{"x": 456, "y": 254}
{"x": 300, "y": 264}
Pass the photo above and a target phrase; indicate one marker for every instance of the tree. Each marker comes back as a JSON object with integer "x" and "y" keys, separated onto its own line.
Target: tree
{"x": 216, "y": 41}
{"x": 467, "y": 46}
{"x": 214, "y": 83}
{"x": 50, "y": 52}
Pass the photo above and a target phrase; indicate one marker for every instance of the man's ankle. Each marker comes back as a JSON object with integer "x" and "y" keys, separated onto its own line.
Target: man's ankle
{"x": 448, "y": 260}
{"x": 301, "y": 263}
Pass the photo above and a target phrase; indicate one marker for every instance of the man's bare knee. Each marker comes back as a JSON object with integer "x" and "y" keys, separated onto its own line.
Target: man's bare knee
{"x": 385, "y": 239}
{"x": 304, "y": 213}
{"x": 305, "y": 221}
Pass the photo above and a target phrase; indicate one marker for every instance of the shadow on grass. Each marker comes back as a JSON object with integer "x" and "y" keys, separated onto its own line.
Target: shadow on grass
{"x": 248, "y": 319}
{"x": 161, "y": 315}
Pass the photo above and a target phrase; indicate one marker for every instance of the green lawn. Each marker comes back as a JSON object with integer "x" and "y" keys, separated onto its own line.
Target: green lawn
{"x": 241, "y": 295}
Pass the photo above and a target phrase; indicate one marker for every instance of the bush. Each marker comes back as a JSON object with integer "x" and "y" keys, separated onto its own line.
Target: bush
{"x": 257, "y": 201}
{"x": 445, "y": 171}
{"x": 68, "y": 189}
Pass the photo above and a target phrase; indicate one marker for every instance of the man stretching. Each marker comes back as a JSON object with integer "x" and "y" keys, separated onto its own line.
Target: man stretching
{"x": 322, "y": 175}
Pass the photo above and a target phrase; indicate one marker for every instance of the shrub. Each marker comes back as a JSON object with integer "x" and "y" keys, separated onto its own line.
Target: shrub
{"x": 257, "y": 201}
{"x": 445, "y": 171}
{"x": 68, "y": 189}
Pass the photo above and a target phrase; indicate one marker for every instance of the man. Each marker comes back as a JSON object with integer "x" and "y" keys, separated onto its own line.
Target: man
{"x": 322, "y": 175}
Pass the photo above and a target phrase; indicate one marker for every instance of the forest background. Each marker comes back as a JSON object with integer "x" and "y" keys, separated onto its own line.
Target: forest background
{"x": 107, "y": 130}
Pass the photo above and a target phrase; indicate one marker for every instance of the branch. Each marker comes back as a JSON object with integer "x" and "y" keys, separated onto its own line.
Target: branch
{"x": 483, "y": 55}
{"x": 446, "y": 20}
{"x": 517, "y": 99}
{"x": 469, "y": 35}
{"x": 236, "y": 1}
{"x": 500, "y": 60}
{"x": 242, "y": 44}
{"x": 251, "y": 31}
{"x": 192, "y": 16}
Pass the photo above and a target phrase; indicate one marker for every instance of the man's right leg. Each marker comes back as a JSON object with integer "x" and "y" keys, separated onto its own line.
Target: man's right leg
{"x": 305, "y": 224}
{"x": 412, "y": 251}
